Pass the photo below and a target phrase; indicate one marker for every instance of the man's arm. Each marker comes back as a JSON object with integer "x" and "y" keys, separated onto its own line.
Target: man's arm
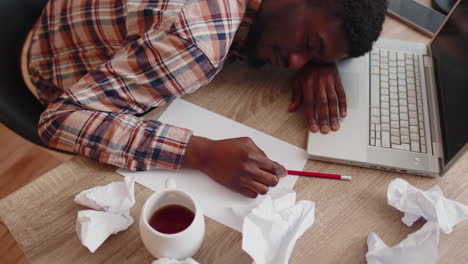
{"x": 97, "y": 117}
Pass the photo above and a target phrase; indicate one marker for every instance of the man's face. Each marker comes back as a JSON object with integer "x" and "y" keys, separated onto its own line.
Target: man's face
{"x": 289, "y": 33}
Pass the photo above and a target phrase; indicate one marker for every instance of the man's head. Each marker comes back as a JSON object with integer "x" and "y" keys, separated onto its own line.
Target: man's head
{"x": 291, "y": 33}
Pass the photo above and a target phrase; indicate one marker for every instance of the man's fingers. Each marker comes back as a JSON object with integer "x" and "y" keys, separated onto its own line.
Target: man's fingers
{"x": 268, "y": 165}
{"x": 292, "y": 106}
{"x": 250, "y": 144}
{"x": 295, "y": 104}
{"x": 268, "y": 171}
{"x": 309, "y": 105}
{"x": 341, "y": 95}
{"x": 256, "y": 186}
{"x": 247, "y": 192}
{"x": 279, "y": 170}
{"x": 296, "y": 97}
{"x": 322, "y": 107}
{"x": 266, "y": 178}
{"x": 259, "y": 150}
{"x": 333, "y": 108}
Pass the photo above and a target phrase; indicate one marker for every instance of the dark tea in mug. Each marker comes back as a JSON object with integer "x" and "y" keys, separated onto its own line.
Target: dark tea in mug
{"x": 171, "y": 219}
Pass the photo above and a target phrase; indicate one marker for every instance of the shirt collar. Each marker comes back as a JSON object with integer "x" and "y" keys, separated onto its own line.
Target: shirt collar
{"x": 238, "y": 47}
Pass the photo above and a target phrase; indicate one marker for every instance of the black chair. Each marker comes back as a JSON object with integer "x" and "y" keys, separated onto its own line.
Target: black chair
{"x": 19, "y": 109}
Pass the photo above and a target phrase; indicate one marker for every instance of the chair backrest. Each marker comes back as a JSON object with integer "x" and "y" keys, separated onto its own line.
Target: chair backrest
{"x": 19, "y": 109}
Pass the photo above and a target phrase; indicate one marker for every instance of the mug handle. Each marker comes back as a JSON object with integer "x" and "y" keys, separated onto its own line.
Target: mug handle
{"x": 170, "y": 183}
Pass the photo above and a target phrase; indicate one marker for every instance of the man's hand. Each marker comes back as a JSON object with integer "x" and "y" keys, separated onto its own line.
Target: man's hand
{"x": 235, "y": 163}
{"x": 319, "y": 87}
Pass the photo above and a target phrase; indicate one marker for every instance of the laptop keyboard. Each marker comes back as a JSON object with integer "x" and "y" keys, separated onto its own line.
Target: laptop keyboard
{"x": 396, "y": 111}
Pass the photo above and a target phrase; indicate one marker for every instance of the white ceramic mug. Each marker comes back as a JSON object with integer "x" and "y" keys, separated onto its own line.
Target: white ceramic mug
{"x": 181, "y": 245}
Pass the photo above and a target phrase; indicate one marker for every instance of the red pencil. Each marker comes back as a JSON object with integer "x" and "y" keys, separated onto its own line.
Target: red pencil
{"x": 319, "y": 175}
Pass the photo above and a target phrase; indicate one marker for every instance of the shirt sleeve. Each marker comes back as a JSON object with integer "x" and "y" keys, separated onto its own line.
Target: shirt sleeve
{"x": 97, "y": 117}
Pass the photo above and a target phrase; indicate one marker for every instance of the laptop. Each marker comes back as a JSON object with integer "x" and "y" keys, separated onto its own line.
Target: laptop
{"x": 407, "y": 104}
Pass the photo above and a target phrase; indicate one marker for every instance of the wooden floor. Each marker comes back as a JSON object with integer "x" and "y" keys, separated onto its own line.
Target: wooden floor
{"x": 20, "y": 163}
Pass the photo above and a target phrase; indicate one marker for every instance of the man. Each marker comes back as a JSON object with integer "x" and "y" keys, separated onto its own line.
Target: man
{"x": 99, "y": 64}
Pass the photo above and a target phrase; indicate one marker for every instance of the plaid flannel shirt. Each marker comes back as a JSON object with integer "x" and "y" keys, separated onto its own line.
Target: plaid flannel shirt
{"x": 99, "y": 64}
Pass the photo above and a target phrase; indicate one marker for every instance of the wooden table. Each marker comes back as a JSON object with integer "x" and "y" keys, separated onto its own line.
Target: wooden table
{"x": 42, "y": 215}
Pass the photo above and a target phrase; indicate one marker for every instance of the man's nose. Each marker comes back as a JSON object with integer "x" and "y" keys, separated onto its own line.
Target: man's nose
{"x": 298, "y": 59}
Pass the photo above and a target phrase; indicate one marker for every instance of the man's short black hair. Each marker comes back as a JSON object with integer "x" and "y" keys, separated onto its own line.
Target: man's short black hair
{"x": 362, "y": 21}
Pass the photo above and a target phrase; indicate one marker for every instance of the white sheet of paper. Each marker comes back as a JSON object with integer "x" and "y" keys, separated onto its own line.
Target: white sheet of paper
{"x": 215, "y": 199}
{"x": 272, "y": 225}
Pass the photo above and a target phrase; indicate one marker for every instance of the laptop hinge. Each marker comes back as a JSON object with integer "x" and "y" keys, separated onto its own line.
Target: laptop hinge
{"x": 434, "y": 120}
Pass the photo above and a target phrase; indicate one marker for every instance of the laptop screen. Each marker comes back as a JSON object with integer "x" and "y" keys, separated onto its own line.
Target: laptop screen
{"x": 450, "y": 54}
